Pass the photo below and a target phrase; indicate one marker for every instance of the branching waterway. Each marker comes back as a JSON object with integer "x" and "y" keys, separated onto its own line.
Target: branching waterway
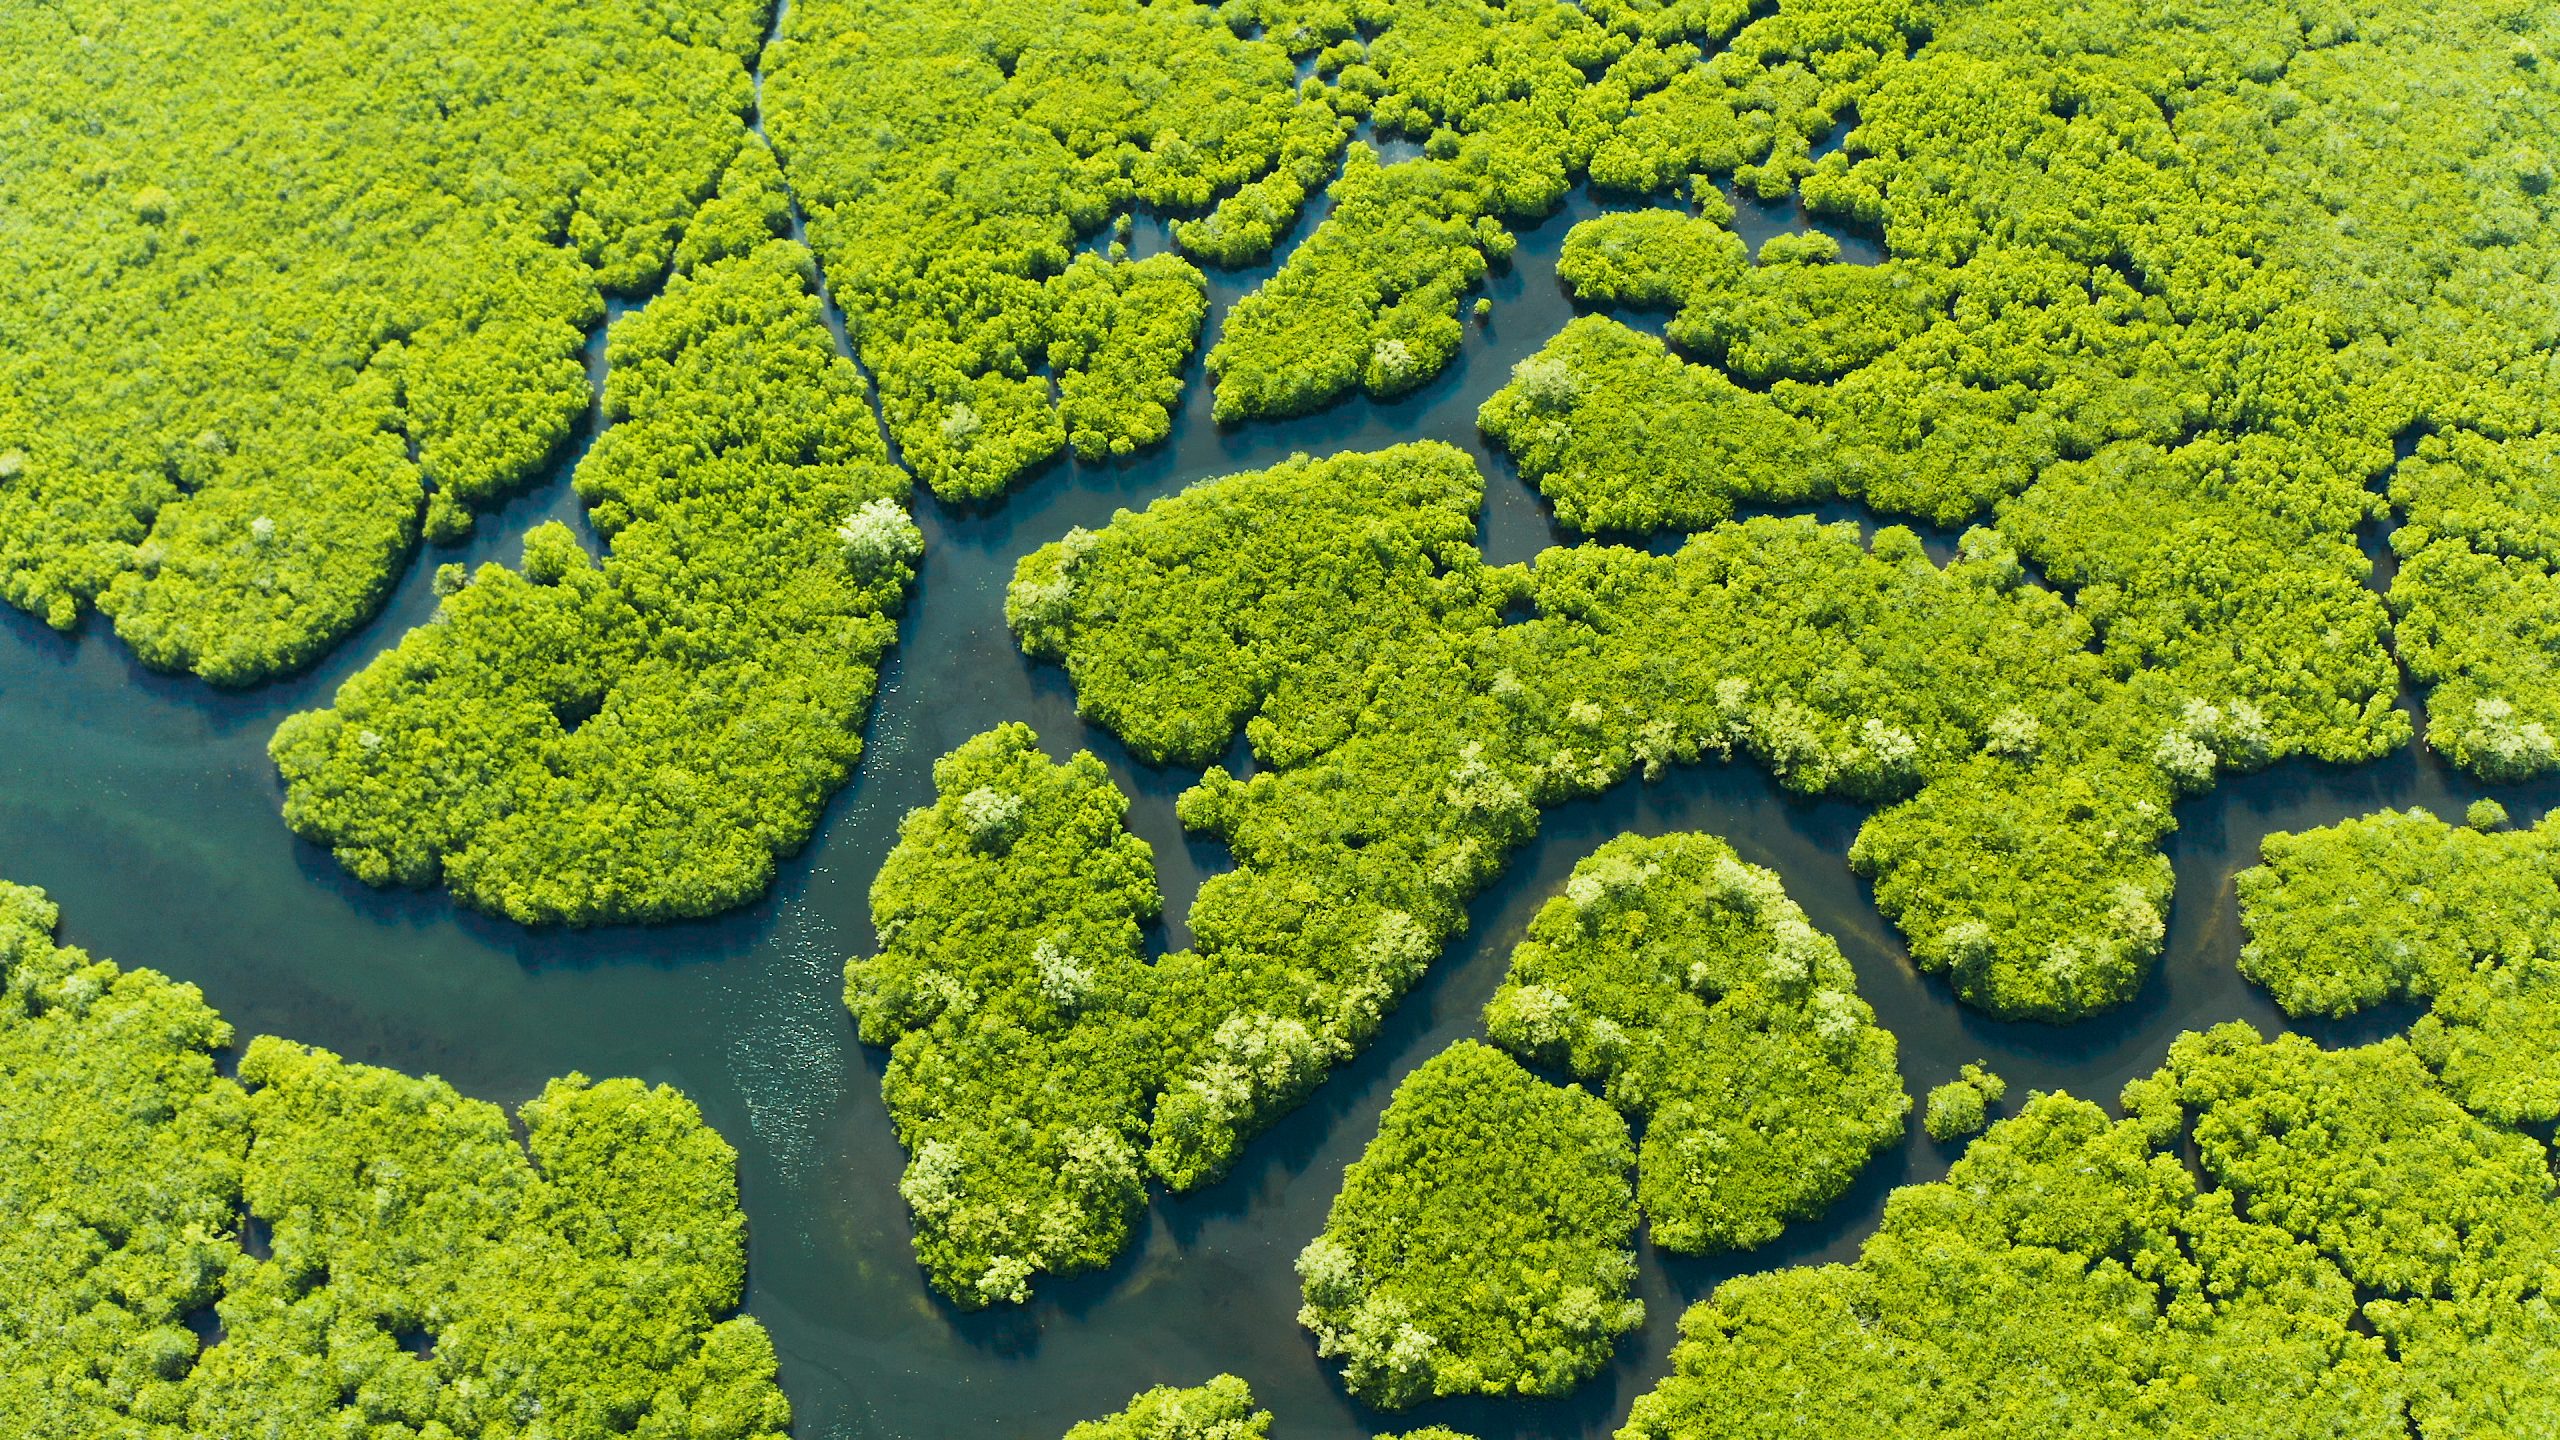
{"x": 147, "y": 807}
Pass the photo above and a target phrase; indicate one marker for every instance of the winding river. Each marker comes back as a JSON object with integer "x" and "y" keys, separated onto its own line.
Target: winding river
{"x": 146, "y": 806}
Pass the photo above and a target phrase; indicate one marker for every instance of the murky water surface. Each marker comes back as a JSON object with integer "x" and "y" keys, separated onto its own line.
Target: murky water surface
{"x": 147, "y": 807}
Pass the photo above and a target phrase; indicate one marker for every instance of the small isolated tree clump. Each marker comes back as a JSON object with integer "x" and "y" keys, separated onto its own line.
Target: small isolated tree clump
{"x": 1012, "y": 989}
{"x": 1963, "y": 1105}
{"x": 1688, "y": 988}
{"x": 1482, "y": 1244}
{"x": 1220, "y": 1410}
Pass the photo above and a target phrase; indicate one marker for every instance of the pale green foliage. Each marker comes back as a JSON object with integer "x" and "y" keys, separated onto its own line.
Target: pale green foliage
{"x": 282, "y": 274}
{"x": 640, "y": 738}
{"x": 580, "y": 1276}
{"x": 1687, "y": 987}
{"x": 879, "y": 534}
{"x": 1482, "y": 1243}
{"x": 1220, "y": 1410}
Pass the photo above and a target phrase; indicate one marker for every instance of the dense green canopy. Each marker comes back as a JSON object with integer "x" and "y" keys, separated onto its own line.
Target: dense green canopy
{"x": 959, "y": 162}
{"x": 1690, "y": 989}
{"x": 2162, "y": 289}
{"x": 280, "y": 278}
{"x": 2343, "y": 1251}
{"x": 1220, "y": 1410}
{"x": 1482, "y": 1244}
{"x": 952, "y": 157}
{"x": 321, "y": 1249}
{"x": 1408, "y": 736}
{"x": 1625, "y": 436}
{"x": 1015, "y": 996}
{"x": 638, "y": 739}
{"x": 2404, "y": 906}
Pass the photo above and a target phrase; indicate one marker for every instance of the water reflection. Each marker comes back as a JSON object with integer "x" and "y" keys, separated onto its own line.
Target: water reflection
{"x": 147, "y": 807}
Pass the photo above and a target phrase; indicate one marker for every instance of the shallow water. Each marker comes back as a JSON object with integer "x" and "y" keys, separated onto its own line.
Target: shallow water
{"x": 146, "y": 806}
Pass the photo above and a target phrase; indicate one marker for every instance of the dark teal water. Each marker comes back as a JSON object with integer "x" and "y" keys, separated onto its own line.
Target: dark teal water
{"x": 147, "y": 807}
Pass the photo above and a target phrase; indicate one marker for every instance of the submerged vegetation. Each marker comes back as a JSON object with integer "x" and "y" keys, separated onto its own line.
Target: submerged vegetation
{"x": 1687, "y": 986}
{"x": 1482, "y": 1244}
{"x": 313, "y": 1244}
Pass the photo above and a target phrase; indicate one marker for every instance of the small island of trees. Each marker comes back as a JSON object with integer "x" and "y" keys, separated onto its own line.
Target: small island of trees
{"x": 1482, "y": 1244}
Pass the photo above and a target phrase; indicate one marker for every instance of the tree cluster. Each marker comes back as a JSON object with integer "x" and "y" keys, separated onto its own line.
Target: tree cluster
{"x": 2148, "y": 308}
{"x": 575, "y": 741}
{"x": 1962, "y": 1106}
{"x": 284, "y": 281}
{"x": 1369, "y": 302}
{"x": 2402, "y": 906}
{"x": 953, "y": 161}
{"x": 952, "y": 158}
{"x": 1013, "y": 991}
{"x": 316, "y": 1248}
{"x": 1626, "y": 437}
{"x": 2478, "y": 600}
{"x": 1689, "y": 989}
{"x": 1483, "y": 1243}
{"x": 2344, "y": 1250}
{"x": 1408, "y": 736}
{"x": 1515, "y": 103}
{"x": 1220, "y": 1410}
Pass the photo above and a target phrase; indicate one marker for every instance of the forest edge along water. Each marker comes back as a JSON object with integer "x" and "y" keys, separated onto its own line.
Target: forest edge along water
{"x": 147, "y": 808}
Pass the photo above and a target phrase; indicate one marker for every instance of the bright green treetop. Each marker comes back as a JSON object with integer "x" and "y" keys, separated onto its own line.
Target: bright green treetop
{"x": 2349, "y": 1253}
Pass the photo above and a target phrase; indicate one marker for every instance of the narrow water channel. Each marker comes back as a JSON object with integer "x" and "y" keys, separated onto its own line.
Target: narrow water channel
{"x": 146, "y": 806}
